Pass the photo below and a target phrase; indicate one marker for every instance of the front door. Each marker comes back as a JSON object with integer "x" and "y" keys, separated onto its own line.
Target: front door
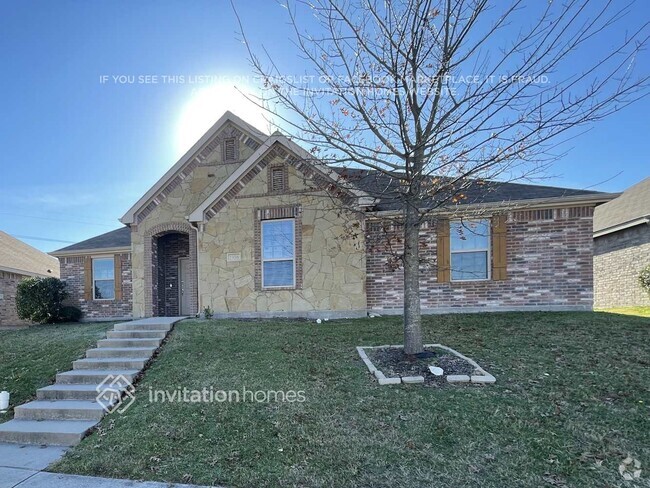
{"x": 184, "y": 278}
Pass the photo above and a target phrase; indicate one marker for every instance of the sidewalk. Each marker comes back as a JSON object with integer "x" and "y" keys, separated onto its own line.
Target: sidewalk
{"x": 20, "y": 467}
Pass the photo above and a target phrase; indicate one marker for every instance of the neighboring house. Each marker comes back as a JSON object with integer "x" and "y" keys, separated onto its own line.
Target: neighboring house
{"x": 251, "y": 225}
{"x": 17, "y": 262}
{"x": 622, "y": 248}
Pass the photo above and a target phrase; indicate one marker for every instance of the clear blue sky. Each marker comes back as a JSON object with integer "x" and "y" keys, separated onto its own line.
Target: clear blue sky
{"x": 76, "y": 152}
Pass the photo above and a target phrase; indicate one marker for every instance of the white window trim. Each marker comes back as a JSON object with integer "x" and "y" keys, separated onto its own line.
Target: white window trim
{"x": 487, "y": 249}
{"x": 293, "y": 259}
{"x": 92, "y": 270}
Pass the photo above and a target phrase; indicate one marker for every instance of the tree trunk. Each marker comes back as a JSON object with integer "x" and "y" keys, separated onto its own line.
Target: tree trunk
{"x": 412, "y": 315}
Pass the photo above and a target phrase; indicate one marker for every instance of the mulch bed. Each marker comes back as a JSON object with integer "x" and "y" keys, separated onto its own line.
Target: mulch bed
{"x": 393, "y": 362}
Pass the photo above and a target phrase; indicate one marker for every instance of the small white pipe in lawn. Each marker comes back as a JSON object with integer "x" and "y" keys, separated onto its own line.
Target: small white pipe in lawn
{"x": 4, "y": 400}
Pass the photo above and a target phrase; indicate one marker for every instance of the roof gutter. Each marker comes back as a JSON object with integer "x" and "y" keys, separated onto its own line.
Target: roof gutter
{"x": 536, "y": 203}
{"x": 83, "y": 252}
{"x": 23, "y": 272}
{"x": 623, "y": 226}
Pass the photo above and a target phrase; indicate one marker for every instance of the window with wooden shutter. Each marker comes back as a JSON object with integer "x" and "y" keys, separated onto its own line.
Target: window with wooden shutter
{"x": 499, "y": 248}
{"x": 230, "y": 149}
{"x": 278, "y": 176}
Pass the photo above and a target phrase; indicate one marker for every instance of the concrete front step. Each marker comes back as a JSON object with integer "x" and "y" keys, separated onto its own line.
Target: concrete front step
{"x": 110, "y": 363}
{"x": 140, "y": 326}
{"x": 121, "y": 352}
{"x": 136, "y": 334}
{"x": 69, "y": 392}
{"x": 94, "y": 376}
{"x": 155, "y": 343}
{"x": 59, "y": 410}
{"x": 50, "y": 432}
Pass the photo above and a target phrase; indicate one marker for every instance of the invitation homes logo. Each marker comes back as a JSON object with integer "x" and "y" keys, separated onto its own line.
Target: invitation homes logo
{"x": 116, "y": 394}
{"x": 212, "y": 395}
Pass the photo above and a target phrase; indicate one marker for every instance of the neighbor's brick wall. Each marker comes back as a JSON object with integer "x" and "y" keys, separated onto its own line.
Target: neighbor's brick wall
{"x": 72, "y": 272}
{"x": 549, "y": 256}
{"x": 8, "y": 286}
{"x": 618, "y": 259}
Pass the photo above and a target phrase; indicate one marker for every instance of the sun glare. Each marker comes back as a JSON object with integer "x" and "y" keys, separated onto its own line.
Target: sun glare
{"x": 208, "y": 104}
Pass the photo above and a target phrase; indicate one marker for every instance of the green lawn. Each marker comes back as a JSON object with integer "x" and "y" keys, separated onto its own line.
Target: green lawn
{"x": 30, "y": 358}
{"x": 572, "y": 401}
{"x": 640, "y": 311}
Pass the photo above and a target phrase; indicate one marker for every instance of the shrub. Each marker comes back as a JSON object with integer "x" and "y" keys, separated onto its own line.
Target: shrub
{"x": 40, "y": 299}
{"x": 208, "y": 313}
{"x": 70, "y": 314}
{"x": 644, "y": 279}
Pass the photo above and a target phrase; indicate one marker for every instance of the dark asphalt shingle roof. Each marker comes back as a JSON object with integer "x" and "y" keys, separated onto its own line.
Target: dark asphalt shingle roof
{"x": 633, "y": 204}
{"x": 474, "y": 191}
{"x": 116, "y": 238}
{"x": 375, "y": 183}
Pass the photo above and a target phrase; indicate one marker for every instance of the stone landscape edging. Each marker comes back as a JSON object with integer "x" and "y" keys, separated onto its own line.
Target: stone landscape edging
{"x": 482, "y": 378}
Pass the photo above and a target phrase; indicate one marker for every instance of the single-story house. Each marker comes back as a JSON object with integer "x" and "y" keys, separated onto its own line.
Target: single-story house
{"x": 251, "y": 225}
{"x": 622, "y": 248}
{"x": 17, "y": 262}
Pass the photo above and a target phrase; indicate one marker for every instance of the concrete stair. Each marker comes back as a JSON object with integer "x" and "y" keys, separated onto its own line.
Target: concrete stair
{"x": 66, "y": 411}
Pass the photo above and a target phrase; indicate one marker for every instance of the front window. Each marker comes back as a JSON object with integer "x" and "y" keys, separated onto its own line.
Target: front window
{"x": 470, "y": 250}
{"x": 278, "y": 253}
{"x": 104, "y": 278}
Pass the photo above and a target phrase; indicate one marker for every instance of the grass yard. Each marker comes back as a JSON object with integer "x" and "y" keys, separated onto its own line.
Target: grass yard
{"x": 640, "y": 311}
{"x": 30, "y": 358}
{"x": 572, "y": 400}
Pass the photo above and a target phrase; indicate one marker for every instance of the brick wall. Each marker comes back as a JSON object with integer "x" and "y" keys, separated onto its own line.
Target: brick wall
{"x": 549, "y": 266}
{"x": 72, "y": 272}
{"x": 618, "y": 259}
{"x": 8, "y": 286}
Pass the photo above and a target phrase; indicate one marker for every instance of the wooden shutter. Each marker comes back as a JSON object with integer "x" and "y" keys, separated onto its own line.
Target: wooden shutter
{"x": 88, "y": 278}
{"x": 499, "y": 246}
{"x": 117, "y": 276}
{"x": 443, "y": 251}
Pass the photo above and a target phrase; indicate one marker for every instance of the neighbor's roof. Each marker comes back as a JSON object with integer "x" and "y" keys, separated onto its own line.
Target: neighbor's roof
{"x": 631, "y": 208}
{"x": 115, "y": 239}
{"x": 20, "y": 258}
{"x": 474, "y": 192}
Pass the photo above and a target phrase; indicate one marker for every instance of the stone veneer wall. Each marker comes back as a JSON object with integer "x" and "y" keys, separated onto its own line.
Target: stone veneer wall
{"x": 8, "y": 288}
{"x": 331, "y": 252}
{"x": 73, "y": 273}
{"x": 203, "y": 175}
{"x": 549, "y": 266}
{"x": 618, "y": 259}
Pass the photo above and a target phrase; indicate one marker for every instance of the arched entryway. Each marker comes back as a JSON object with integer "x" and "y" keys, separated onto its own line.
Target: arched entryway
{"x": 170, "y": 271}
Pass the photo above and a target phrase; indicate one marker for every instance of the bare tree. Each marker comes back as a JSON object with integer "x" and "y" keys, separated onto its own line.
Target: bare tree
{"x": 433, "y": 95}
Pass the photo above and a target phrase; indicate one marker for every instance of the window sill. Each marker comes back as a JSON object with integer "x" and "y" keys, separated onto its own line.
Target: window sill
{"x": 470, "y": 281}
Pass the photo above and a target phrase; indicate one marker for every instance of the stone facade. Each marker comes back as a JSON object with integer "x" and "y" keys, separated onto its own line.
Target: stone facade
{"x": 618, "y": 259}
{"x": 168, "y": 211}
{"x": 8, "y": 288}
{"x": 73, "y": 273}
{"x": 549, "y": 267}
{"x": 331, "y": 253}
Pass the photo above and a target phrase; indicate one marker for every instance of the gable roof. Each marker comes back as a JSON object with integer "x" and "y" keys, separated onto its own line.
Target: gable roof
{"x": 20, "y": 258}
{"x": 277, "y": 138}
{"x": 631, "y": 208}
{"x": 129, "y": 216}
{"x": 114, "y": 240}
